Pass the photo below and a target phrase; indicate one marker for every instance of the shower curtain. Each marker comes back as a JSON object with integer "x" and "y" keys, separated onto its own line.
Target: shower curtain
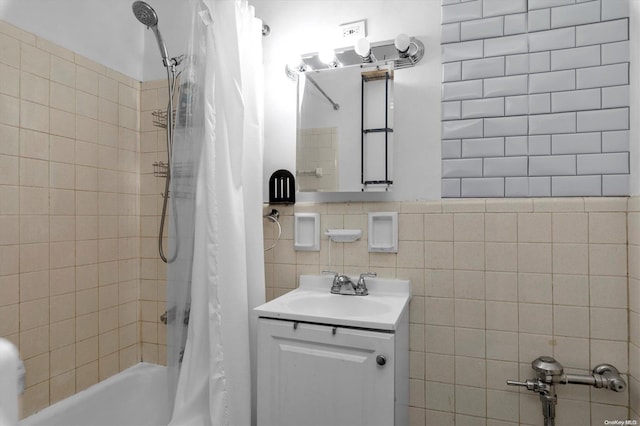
{"x": 218, "y": 275}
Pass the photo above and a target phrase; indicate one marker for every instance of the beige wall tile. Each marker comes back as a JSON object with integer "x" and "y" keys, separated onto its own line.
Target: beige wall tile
{"x": 608, "y": 228}
{"x": 34, "y": 285}
{"x": 570, "y": 259}
{"x": 34, "y": 172}
{"x": 9, "y": 290}
{"x": 34, "y": 144}
{"x": 62, "y": 228}
{"x": 62, "y": 386}
{"x": 10, "y": 84}
{"x": 607, "y": 259}
{"x": 501, "y": 227}
{"x": 9, "y": 229}
{"x": 468, "y": 227}
{"x": 438, "y": 227}
{"x": 11, "y": 140}
{"x": 34, "y": 116}
{"x": 9, "y": 110}
{"x": 10, "y": 50}
{"x": 34, "y": 88}
{"x": 34, "y": 60}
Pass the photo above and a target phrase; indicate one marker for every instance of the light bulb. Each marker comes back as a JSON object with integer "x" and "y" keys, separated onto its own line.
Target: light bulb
{"x": 363, "y": 47}
{"x": 327, "y": 56}
{"x": 402, "y": 43}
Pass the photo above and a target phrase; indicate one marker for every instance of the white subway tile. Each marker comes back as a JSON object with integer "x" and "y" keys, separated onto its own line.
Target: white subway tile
{"x": 606, "y": 75}
{"x": 450, "y": 33}
{"x": 575, "y": 100}
{"x": 516, "y": 187}
{"x": 484, "y": 187}
{"x": 461, "y": 51}
{"x": 614, "y": 9}
{"x": 539, "y": 4}
{"x": 493, "y": 107}
{"x": 552, "y": 81}
{"x": 576, "y": 143}
{"x": 606, "y": 119}
{"x": 615, "y": 141}
{"x": 613, "y": 53}
{"x": 515, "y": 145}
{"x": 615, "y": 185}
{"x": 603, "y": 32}
{"x": 487, "y": 147}
{"x": 540, "y": 186}
{"x": 605, "y": 164}
{"x": 552, "y": 123}
{"x": 553, "y": 165}
{"x": 505, "y": 166}
{"x": 539, "y": 20}
{"x": 515, "y": 24}
{"x": 552, "y": 39}
{"x": 471, "y": 89}
{"x": 540, "y": 103}
{"x": 506, "y": 126}
{"x": 446, "y": 2}
{"x": 505, "y": 86}
{"x": 483, "y": 68}
{"x": 517, "y": 64}
{"x": 578, "y": 57}
{"x": 540, "y": 145}
{"x": 451, "y": 110}
{"x": 617, "y": 96}
{"x": 451, "y": 149}
{"x": 482, "y": 28}
{"x": 509, "y": 45}
{"x": 459, "y": 129}
{"x": 539, "y": 62}
{"x": 469, "y": 167}
{"x": 516, "y": 105}
{"x": 450, "y": 188}
{"x": 575, "y": 186}
{"x": 462, "y": 11}
{"x": 501, "y": 7}
{"x": 578, "y": 14}
{"x": 451, "y": 71}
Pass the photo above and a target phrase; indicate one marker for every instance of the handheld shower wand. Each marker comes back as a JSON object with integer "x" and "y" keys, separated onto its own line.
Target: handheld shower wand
{"x": 147, "y": 16}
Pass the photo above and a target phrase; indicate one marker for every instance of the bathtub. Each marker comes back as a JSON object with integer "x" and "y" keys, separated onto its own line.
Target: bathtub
{"x": 136, "y": 396}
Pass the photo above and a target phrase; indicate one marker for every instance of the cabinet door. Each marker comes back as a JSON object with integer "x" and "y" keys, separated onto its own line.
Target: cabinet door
{"x": 313, "y": 375}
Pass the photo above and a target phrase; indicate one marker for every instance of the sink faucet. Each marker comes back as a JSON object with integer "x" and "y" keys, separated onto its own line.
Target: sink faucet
{"x": 341, "y": 281}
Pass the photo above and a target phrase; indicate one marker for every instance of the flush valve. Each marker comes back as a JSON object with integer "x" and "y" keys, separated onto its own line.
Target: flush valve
{"x": 550, "y": 373}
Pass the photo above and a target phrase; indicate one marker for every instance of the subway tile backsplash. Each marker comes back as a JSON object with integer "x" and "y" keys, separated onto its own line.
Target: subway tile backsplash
{"x": 535, "y": 98}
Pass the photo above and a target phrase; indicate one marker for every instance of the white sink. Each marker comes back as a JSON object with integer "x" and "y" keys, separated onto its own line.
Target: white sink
{"x": 312, "y": 301}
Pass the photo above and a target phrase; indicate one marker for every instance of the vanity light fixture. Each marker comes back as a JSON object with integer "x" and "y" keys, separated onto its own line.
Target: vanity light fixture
{"x": 363, "y": 49}
{"x": 294, "y": 67}
{"x": 328, "y": 57}
{"x": 404, "y": 51}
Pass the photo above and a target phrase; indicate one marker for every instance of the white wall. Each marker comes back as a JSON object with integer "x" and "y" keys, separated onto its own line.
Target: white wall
{"x": 303, "y": 26}
{"x": 104, "y": 31}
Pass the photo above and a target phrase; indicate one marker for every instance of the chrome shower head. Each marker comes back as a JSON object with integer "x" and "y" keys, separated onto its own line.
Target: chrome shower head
{"x": 145, "y": 13}
{"x": 147, "y": 16}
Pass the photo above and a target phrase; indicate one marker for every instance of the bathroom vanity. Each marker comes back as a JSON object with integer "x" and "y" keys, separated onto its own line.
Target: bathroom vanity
{"x": 334, "y": 359}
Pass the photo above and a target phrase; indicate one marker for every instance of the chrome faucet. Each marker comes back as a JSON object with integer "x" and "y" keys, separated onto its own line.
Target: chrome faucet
{"x": 341, "y": 281}
{"x": 550, "y": 373}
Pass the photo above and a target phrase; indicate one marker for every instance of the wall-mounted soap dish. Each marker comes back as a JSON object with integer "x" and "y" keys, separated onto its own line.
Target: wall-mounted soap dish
{"x": 307, "y": 231}
{"x": 343, "y": 235}
{"x": 383, "y": 232}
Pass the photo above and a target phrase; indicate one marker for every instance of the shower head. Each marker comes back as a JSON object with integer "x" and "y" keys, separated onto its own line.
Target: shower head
{"x": 147, "y": 16}
{"x": 145, "y": 13}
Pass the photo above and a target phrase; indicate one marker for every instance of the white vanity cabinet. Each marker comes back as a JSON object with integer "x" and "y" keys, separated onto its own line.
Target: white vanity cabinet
{"x": 328, "y": 372}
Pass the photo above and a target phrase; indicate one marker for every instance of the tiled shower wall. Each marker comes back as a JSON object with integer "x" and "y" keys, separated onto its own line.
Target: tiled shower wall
{"x": 634, "y": 307}
{"x": 153, "y": 148}
{"x": 496, "y": 283}
{"x": 69, "y": 216}
{"x": 535, "y": 98}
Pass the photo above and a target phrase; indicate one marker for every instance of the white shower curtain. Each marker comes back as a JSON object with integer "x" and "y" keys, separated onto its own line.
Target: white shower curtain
{"x": 221, "y": 132}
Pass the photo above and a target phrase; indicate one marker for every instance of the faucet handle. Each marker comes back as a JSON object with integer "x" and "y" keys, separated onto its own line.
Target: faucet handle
{"x": 368, "y": 274}
{"x": 361, "y": 287}
{"x": 335, "y": 284}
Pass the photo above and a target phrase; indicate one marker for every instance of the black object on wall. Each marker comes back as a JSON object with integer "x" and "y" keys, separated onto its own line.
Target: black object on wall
{"x": 282, "y": 187}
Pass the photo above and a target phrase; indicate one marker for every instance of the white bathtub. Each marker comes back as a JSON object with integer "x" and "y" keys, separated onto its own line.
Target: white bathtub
{"x": 137, "y": 396}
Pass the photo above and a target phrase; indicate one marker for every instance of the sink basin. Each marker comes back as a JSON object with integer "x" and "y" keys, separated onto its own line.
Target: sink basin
{"x": 382, "y": 309}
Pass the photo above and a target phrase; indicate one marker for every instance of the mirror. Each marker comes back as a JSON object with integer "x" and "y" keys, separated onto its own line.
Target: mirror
{"x": 345, "y": 129}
